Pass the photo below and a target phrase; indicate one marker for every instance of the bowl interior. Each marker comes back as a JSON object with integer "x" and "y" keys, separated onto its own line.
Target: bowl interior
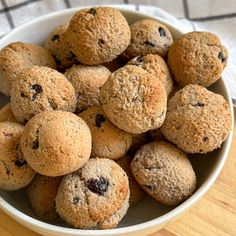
{"x": 147, "y": 209}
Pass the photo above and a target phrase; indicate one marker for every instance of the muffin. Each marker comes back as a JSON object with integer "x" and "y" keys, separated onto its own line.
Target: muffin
{"x": 155, "y": 65}
{"x": 197, "y": 120}
{"x": 148, "y": 37}
{"x": 18, "y": 56}
{"x": 197, "y": 58}
{"x": 95, "y": 196}
{"x": 58, "y": 45}
{"x": 15, "y": 171}
{"x": 87, "y": 82}
{"x": 56, "y": 143}
{"x": 134, "y": 100}
{"x": 107, "y": 140}
{"x": 42, "y": 193}
{"x": 164, "y": 172}
{"x": 41, "y": 89}
{"x": 98, "y": 35}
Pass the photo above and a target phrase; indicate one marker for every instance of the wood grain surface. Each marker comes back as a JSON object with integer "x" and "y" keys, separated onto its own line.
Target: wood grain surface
{"x": 213, "y": 215}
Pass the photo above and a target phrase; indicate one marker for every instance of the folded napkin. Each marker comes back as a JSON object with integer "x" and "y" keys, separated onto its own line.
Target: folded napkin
{"x": 216, "y": 16}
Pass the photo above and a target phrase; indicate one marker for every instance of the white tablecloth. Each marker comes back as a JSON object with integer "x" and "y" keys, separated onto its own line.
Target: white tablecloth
{"x": 217, "y": 16}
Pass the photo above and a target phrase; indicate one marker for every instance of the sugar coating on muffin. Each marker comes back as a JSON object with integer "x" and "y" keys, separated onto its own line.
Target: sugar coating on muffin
{"x": 87, "y": 82}
{"x": 136, "y": 192}
{"x": 59, "y": 47}
{"x": 95, "y": 196}
{"x": 197, "y": 58}
{"x": 98, "y": 35}
{"x": 148, "y": 37}
{"x": 164, "y": 172}
{"x": 41, "y": 89}
{"x": 134, "y": 100}
{"x": 42, "y": 193}
{"x": 18, "y": 56}
{"x": 56, "y": 143}
{"x": 16, "y": 173}
{"x": 197, "y": 120}
{"x": 155, "y": 65}
{"x": 107, "y": 140}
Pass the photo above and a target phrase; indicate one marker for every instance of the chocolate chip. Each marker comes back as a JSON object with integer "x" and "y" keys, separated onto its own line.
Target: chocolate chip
{"x": 101, "y": 42}
{"x": 71, "y": 56}
{"x": 139, "y": 59}
{"x": 99, "y": 120}
{"x": 162, "y": 32}
{"x": 75, "y": 200}
{"x": 92, "y": 11}
{"x": 22, "y": 94}
{"x": 37, "y": 89}
{"x": 98, "y": 186}
{"x": 199, "y": 104}
{"x": 148, "y": 43}
{"x": 221, "y": 57}
{"x": 20, "y": 162}
{"x": 58, "y": 62}
{"x": 35, "y": 143}
{"x": 25, "y": 121}
{"x": 55, "y": 37}
{"x": 205, "y": 139}
{"x": 149, "y": 187}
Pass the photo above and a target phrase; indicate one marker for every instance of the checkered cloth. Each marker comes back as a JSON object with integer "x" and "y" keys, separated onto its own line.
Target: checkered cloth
{"x": 216, "y": 16}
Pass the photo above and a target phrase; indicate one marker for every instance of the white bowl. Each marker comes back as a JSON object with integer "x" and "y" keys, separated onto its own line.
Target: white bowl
{"x": 146, "y": 217}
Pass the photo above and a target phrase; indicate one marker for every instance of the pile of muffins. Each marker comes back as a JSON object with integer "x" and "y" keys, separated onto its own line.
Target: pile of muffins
{"x": 106, "y": 112}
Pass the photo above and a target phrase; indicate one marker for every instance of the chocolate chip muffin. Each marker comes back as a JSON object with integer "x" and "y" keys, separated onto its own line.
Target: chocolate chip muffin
{"x": 197, "y": 58}
{"x": 15, "y": 171}
{"x": 56, "y": 143}
{"x": 148, "y": 37}
{"x": 134, "y": 100}
{"x": 197, "y": 120}
{"x": 107, "y": 140}
{"x": 98, "y": 35}
{"x": 136, "y": 192}
{"x": 95, "y": 196}
{"x": 19, "y": 56}
{"x": 164, "y": 172}
{"x": 6, "y": 114}
{"x": 42, "y": 192}
{"x": 155, "y": 65}
{"x": 87, "y": 81}
{"x": 41, "y": 89}
{"x": 57, "y": 44}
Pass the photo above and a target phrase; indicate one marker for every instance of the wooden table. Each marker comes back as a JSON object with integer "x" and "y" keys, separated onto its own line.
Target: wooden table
{"x": 213, "y": 215}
